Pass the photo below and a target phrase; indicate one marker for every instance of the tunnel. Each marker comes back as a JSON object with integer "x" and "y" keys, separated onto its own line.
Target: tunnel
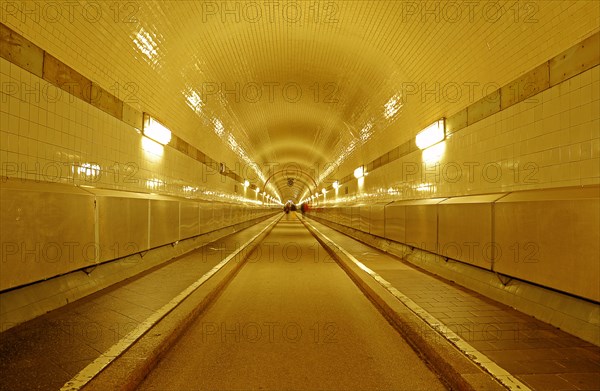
{"x": 300, "y": 195}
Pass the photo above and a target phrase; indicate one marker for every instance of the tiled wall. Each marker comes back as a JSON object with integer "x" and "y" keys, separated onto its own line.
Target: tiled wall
{"x": 527, "y": 34}
{"x": 48, "y": 134}
{"x": 549, "y": 140}
{"x": 545, "y": 159}
{"x": 92, "y": 44}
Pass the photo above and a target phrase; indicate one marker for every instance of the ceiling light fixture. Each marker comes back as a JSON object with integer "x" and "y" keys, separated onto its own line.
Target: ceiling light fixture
{"x": 359, "y": 172}
{"x": 432, "y": 134}
{"x": 155, "y": 130}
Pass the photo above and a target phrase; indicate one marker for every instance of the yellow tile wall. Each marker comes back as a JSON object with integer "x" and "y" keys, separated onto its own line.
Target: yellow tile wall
{"x": 489, "y": 54}
{"x": 398, "y": 50}
{"x": 549, "y": 140}
{"x": 111, "y": 60}
{"x": 47, "y": 134}
{"x": 411, "y": 50}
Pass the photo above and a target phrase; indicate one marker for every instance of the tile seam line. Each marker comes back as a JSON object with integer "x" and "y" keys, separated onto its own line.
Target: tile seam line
{"x": 499, "y": 373}
{"x": 100, "y": 363}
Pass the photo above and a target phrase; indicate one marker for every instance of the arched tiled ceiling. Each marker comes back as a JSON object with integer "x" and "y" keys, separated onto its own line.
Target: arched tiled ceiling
{"x": 299, "y": 120}
{"x": 293, "y": 192}
{"x": 358, "y": 55}
{"x": 293, "y": 180}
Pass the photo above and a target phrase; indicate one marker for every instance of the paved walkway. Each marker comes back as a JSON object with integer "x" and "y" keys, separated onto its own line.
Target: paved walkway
{"x": 291, "y": 319}
{"x": 48, "y": 351}
{"x": 538, "y": 354}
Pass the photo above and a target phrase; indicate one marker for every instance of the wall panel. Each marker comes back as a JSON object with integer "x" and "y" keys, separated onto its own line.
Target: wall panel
{"x": 189, "y": 218}
{"x": 551, "y": 238}
{"x": 164, "y": 221}
{"x": 365, "y": 218}
{"x": 395, "y": 222}
{"x": 465, "y": 229}
{"x": 355, "y": 217}
{"x": 219, "y": 217}
{"x": 122, "y": 223}
{"x": 377, "y": 220}
{"x": 207, "y": 219}
{"x": 421, "y": 223}
{"x": 46, "y": 230}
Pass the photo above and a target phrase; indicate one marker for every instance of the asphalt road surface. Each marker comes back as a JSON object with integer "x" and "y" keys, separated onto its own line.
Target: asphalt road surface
{"x": 291, "y": 320}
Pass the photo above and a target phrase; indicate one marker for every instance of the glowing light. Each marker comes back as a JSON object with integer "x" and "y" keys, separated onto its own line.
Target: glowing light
{"x": 434, "y": 153}
{"x": 393, "y": 106}
{"x": 154, "y": 183}
{"x": 324, "y": 191}
{"x": 424, "y": 187}
{"x": 89, "y": 170}
{"x": 155, "y": 130}
{"x": 219, "y": 129}
{"x": 147, "y": 45}
{"x": 189, "y": 189}
{"x": 246, "y": 183}
{"x": 336, "y": 185}
{"x": 366, "y": 131}
{"x": 193, "y": 100}
{"x": 152, "y": 146}
{"x": 432, "y": 134}
{"x": 392, "y": 191}
{"x": 359, "y": 172}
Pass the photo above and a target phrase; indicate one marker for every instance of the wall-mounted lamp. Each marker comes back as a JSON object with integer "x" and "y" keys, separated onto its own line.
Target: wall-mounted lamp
{"x": 359, "y": 172}
{"x": 246, "y": 183}
{"x": 336, "y": 185}
{"x": 324, "y": 191}
{"x": 152, "y": 147}
{"x": 432, "y": 134}
{"x": 155, "y": 130}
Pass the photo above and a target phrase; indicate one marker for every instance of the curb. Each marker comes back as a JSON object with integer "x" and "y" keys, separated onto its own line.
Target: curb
{"x": 128, "y": 370}
{"x": 445, "y": 359}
